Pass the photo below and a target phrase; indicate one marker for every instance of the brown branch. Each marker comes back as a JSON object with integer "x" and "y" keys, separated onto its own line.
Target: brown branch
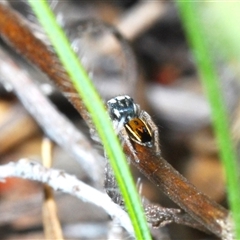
{"x": 15, "y": 31}
{"x": 199, "y": 206}
{"x": 210, "y": 214}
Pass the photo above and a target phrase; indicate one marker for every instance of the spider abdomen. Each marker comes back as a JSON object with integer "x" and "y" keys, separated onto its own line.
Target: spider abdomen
{"x": 139, "y": 131}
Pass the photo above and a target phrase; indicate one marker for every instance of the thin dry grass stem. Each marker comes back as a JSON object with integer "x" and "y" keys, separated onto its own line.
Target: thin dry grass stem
{"x": 200, "y": 207}
{"x": 51, "y": 223}
{"x": 47, "y": 148}
{"x": 132, "y": 24}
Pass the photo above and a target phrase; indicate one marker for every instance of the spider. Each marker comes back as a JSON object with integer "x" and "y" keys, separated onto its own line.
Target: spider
{"x": 132, "y": 123}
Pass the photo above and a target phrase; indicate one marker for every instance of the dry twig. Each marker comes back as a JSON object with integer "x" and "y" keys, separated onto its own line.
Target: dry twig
{"x": 132, "y": 24}
{"x": 61, "y": 181}
{"x": 159, "y": 216}
{"x": 52, "y": 227}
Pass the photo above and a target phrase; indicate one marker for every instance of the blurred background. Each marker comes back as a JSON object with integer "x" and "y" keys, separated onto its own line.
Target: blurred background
{"x": 152, "y": 63}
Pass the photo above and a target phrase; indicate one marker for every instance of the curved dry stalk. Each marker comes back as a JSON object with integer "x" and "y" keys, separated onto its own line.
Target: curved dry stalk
{"x": 61, "y": 181}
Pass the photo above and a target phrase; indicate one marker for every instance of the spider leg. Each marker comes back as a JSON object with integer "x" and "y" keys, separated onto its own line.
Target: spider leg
{"x": 148, "y": 120}
{"x": 111, "y": 186}
{"x": 124, "y": 138}
{"x": 110, "y": 182}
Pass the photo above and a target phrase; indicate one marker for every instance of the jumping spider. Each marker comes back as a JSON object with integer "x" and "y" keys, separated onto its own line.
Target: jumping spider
{"x": 132, "y": 123}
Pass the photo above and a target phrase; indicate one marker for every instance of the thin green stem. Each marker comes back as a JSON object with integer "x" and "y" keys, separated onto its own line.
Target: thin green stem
{"x": 98, "y": 113}
{"x": 211, "y": 83}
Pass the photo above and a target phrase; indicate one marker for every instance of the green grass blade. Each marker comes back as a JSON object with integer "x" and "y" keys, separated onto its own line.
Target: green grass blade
{"x": 98, "y": 113}
{"x": 201, "y": 50}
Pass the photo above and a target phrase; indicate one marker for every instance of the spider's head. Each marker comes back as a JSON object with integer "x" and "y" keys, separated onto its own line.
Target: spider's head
{"x": 122, "y": 109}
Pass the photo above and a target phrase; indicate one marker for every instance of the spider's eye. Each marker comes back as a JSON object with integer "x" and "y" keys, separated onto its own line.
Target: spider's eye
{"x": 138, "y": 131}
